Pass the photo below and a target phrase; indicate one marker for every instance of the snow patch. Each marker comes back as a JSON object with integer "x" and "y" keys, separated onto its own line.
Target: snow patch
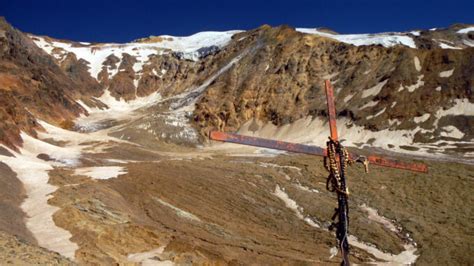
{"x": 401, "y": 88}
{"x": 446, "y": 74}
{"x": 406, "y": 257}
{"x": 369, "y": 104}
{"x": 395, "y": 122}
{"x": 468, "y": 43}
{"x": 179, "y": 211}
{"x": 305, "y": 188}
{"x": 100, "y": 172}
{"x": 385, "y": 39}
{"x": 447, "y": 46}
{"x": 314, "y": 131}
{"x": 465, "y": 30}
{"x": 377, "y": 114}
{"x": 74, "y": 140}
{"x": 291, "y": 204}
{"x": 374, "y": 216}
{"x": 117, "y": 110}
{"x": 421, "y": 119}
{"x": 332, "y": 252}
{"x": 33, "y": 173}
{"x": 452, "y": 132}
{"x": 68, "y": 156}
{"x": 348, "y": 97}
{"x": 417, "y": 63}
{"x": 460, "y": 107}
{"x": 417, "y": 85}
{"x": 374, "y": 90}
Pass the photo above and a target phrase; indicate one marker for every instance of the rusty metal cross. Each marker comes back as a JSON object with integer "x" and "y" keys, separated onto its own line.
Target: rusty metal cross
{"x": 342, "y": 210}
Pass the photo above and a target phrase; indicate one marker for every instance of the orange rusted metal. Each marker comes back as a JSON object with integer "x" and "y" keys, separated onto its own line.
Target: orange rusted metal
{"x": 267, "y": 143}
{"x": 312, "y": 150}
{"x": 331, "y": 110}
{"x": 418, "y": 167}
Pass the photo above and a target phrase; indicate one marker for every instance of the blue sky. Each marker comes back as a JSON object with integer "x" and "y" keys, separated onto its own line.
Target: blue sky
{"x": 122, "y": 21}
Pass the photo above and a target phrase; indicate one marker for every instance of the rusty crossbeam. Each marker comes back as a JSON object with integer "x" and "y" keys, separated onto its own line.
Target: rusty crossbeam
{"x": 331, "y": 110}
{"x": 267, "y": 143}
{"x": 312, "y": 150}
{"x": 342, "y": 211}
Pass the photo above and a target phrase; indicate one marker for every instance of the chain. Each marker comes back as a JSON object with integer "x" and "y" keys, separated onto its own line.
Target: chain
{"x": 333, "y": 182}
{"x": 335, "y": 162}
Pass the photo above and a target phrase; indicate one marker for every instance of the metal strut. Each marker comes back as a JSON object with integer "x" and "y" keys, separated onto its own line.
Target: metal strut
{"x": 313, "y": 150}
{"x": 335, "y": 162}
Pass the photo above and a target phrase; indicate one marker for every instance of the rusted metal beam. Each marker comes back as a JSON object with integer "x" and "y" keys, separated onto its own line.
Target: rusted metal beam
{"x": 342, "y": 225}
{"x": 267, "y": 143}
{"x": 381, "y": 161}
{"x": 312, "y": 150}
{"x": 331, "y": 110}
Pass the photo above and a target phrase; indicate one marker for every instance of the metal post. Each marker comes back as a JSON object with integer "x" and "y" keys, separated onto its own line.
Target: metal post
{"x": 331, "y": 110}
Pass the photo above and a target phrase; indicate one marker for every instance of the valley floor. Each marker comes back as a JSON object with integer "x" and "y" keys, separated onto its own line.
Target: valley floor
{"x": 120, "y": 193}
{"x": 187, "y": 205}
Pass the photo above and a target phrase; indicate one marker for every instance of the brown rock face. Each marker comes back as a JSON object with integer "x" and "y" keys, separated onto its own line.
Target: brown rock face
{"x": 281, "y": 80}
{"x": 84, "y": 84}
{"x": 31, "y": 85}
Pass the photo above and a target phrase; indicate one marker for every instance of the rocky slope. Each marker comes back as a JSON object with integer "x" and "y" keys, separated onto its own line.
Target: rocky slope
{"x": 415, "y": 86}
{"x": 32, "y": 86}
{"x": 14, "y": 251}
{"x": 424, "y": 93}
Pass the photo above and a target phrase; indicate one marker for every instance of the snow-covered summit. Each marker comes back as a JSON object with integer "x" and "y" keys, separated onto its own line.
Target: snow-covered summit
{"x": 191, "y": 48}
{"x": 390, "y": 39}
{"x": 192, "y": 42}
{"x": 466, "y": 30}
{"x": 202, "y": 44}
{"x": 385, "y": 39}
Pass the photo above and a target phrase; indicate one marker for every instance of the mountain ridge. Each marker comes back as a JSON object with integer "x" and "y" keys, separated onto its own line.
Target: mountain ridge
{"x": 174, "y": 65}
